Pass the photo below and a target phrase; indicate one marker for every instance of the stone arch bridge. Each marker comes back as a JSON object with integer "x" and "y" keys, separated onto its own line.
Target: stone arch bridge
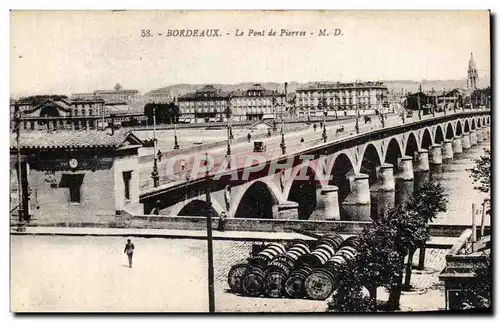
{"x": 311, "y": 184}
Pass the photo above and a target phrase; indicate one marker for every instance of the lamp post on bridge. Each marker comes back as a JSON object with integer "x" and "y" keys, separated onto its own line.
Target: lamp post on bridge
{"x": 176, "y": 143}
{"x": 154, "y": 174}
{"x": 282, "y": 144}
{"x": 444, "y": 102}
{"x": 356, "y": 126}
{"x": 434, "y": 105}
{"x": 325, "y": 112}
{"x": 418, "y": 103}
{"x": 229, "y": 132}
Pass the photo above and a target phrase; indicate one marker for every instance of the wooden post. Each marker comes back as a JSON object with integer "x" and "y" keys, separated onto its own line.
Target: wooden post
{"x": 211, "y": 295}
{"x": 474, "y": 233}
{"x": 483, "y": 214}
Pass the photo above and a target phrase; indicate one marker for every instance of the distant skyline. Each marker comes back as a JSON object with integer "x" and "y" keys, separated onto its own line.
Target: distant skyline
{"x": 81, "y": 51}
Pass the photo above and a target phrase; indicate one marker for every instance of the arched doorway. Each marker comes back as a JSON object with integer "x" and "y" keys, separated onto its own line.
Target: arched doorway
{"x": 257, "y": 202}
{"x": 473, "y": 124}
{"x": 196, "y": 208}
{"x": 341, "y": 169}
{"x": 303, "y": 192}
{"x": 49, "y": 111}
{"x": 426, "y": 140}
{"x": 479, "y": 122}
{"x": 370, "y": 162}
{"x": 439, "y": 137}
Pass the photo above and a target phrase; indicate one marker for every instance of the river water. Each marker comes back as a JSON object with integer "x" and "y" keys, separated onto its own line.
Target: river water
{"x": 454, "y": 178}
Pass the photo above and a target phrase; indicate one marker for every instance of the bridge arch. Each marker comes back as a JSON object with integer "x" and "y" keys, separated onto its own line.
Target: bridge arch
{"x": 411, "y": 145}
{"x": 393, "y": 153}
{"x": 370, "y": 161}
{"x": 426, "y": 139}
{"x": 438, "y": 136}
{"x": 256, "y": 201}
{"x": 303, "y": 189}
{"x": 450, "y": 134}
{"x": 342, "y": 169}
{"x": 196, "y": 208}
{"x": 458, "y": 130}
{"x": 466, "y": 126}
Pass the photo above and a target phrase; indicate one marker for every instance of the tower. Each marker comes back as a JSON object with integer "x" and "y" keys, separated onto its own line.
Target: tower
{"x": 472, "y": 75}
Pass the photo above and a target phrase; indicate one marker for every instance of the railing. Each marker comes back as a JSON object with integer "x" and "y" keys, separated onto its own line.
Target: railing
{"x": 147, "y": 184}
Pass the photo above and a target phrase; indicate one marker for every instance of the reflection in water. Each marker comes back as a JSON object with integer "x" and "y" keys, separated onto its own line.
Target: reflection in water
{"x": 453, "y": 176}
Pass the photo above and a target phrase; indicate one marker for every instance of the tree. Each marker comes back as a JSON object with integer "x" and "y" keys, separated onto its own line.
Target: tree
{"x": 165, "y": 113}
{"x": 380, "y": 261}
{"x": 427, "y": 201}
{"x": 351, "y": 295}
{"x": 481, "y": 173}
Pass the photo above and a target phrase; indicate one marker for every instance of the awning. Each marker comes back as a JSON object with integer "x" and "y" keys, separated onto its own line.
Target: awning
{"x": 212, "y": 119}
{"x": 268, "y": 117}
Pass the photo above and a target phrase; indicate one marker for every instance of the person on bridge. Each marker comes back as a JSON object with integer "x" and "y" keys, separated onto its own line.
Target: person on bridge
{"x": 301, "y": 140}
{"x": 129, "y": 250}
{"x": 183, "y": 165}
{"x": 249, "y": 137}
{"x": 269, "y": 132}
{"x": 159, "y": 154}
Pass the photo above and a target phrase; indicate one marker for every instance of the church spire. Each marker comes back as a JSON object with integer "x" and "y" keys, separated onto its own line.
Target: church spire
{"x": 472, "y": 75}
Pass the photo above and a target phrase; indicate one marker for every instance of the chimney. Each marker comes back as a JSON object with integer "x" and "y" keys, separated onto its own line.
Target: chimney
{"x": 286, "y": 92}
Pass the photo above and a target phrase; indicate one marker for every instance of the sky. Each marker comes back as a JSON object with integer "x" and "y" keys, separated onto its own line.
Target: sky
{"x": 68, "y": 52}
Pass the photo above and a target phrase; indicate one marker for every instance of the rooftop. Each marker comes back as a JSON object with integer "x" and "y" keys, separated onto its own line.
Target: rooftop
{"x": 74, "y": 139}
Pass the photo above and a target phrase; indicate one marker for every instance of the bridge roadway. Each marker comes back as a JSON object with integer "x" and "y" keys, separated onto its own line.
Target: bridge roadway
{"x": 241, "y": 151}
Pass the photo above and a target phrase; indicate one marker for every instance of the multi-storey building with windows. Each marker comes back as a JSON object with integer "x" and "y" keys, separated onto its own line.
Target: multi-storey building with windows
{"x": 211, "y": 104}
{"x": 312, "y": 100}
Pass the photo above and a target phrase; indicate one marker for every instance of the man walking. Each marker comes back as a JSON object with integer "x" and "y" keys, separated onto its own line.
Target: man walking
{"x": 129, "y": 250}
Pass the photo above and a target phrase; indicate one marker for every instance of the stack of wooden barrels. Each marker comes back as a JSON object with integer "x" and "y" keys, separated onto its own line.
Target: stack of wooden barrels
{"x": 322, "y": 282}
{"x": 247, "y": 278}
{"x": 276, "y": 271}
{"x": 325, "y": 248}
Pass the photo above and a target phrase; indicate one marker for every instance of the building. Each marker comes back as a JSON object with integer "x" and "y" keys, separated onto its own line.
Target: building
{"x": 76, "y": 177}
{"x": 257, "y": 103}
{"x": 341, "y": 97}
{"x": 57, "y": 113}
{"x": 118, "y": 94}
{"x": 211, "y": 104}
{"x": 160, "y": 96}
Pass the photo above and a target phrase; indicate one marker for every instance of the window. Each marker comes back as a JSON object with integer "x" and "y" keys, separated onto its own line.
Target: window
{"x": 127, "y": 176}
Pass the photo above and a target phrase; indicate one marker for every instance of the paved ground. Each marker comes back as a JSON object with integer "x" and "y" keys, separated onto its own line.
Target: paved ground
{"x": 60, "y": 273}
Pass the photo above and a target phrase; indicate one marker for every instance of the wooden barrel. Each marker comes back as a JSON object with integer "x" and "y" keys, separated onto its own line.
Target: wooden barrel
{"x": 252, "y": 282}
{"x": 267, "y": 254}
{"x": 348, "y": 253}
{"x": 352, "y": 241}
{"x": 333, "y": 240}
{"x": 274, "y": 283}
{"x": 320, "y": 284}
{"x": 294, "y": 285}
{"x": 235, "y": 275}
